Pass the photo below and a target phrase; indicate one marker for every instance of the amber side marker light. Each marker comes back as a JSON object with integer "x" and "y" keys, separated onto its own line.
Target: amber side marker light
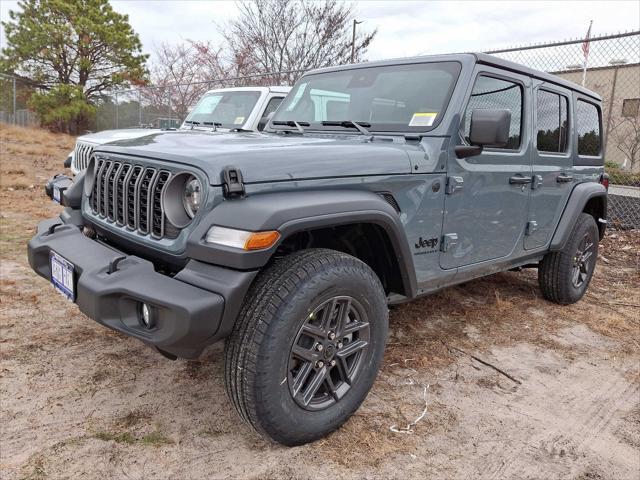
{"x": 242, "y": 239}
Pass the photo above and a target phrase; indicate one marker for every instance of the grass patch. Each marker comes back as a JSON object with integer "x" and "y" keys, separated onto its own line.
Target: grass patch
{"x": 154, "y": 439}
{"x": 124, "y": 437}
{"x": 37, "y": 471}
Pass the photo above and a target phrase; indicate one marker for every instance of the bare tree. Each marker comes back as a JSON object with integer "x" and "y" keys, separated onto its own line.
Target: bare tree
{"x": 626, "y": 135}
{"x": 176, "y": 72}
{"x": 284, "y": 35}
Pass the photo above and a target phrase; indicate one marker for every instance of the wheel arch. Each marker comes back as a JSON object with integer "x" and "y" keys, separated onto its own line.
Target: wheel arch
{"x": 588, "y": 197}
{"x": 314, "y": 219}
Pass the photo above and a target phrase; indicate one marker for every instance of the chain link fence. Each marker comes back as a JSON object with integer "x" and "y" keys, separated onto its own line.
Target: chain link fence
{"x": 14, "y": 94}
{"x": 613, "y": 71}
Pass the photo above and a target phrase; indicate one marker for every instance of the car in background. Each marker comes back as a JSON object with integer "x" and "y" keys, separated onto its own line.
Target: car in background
{"x": 225, "y": 109}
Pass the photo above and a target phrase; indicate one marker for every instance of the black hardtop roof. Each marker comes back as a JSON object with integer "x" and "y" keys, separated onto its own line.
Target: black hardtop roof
{"x": 465, "y": 58}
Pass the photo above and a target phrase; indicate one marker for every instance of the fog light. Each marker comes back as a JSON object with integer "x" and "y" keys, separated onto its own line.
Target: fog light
{"x": 145, "y": 315}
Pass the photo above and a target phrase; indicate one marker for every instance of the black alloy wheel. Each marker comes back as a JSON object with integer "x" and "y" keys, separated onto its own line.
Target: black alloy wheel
{"x": 327, "y": 353}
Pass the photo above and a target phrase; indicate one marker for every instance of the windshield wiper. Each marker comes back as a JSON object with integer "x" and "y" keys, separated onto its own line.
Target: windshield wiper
{"x": 193, "y": 123}
{"x": 360, "y": 126}
{"x": 215, "y": 125}
{"x": 292, "y": 123}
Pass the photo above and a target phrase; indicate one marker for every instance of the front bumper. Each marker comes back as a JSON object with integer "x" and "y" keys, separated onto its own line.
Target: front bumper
{"x": 191, "y": 310}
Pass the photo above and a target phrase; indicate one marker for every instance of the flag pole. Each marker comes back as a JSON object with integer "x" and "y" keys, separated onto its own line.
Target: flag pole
{"x": 585, "y": 51}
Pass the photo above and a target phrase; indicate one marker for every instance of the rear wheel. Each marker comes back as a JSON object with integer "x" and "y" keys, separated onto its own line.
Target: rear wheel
{"x": 565, "y": 275}
{"x": 307, "y": 345}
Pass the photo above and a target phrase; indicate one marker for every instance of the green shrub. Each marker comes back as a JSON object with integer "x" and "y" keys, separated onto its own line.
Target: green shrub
{"x": 64, "y": 108}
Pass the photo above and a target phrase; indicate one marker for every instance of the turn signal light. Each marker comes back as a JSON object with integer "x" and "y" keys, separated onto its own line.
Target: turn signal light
{"x": 242, "y": 239}
{"x": 261, "y": 240}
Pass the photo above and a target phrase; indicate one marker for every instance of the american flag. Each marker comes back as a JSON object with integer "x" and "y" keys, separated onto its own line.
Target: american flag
{"x": 585, "y": 44}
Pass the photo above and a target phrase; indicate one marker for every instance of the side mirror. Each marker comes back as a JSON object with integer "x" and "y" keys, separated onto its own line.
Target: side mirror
{"x": 264, "y": 120}
{"x": 489, "y": 128}
{"x": 67, "y": 161}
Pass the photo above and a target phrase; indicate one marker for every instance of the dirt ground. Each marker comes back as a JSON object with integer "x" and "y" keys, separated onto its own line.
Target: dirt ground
{"x": 80, "y": 401}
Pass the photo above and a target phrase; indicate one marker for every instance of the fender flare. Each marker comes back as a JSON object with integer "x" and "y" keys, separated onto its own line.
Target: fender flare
{"x": 292, "y": 212}
{"x": 581, "y": 194}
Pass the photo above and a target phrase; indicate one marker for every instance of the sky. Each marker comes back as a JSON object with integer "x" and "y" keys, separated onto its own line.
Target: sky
{"x": 405, "y": 28}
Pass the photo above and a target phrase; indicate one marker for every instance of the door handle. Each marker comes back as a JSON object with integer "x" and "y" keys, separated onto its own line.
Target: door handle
{"x": 562, "y": 178}
{"x": 519, "y": 180}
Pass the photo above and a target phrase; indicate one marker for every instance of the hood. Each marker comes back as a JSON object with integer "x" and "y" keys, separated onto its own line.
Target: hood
{"x": 107, "y": 136}
{"x": 113, "y": 135}
{"x": 268, "y": 157}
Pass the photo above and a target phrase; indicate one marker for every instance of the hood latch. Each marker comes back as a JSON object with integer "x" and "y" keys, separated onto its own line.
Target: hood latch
{"x": 232, "y": 183}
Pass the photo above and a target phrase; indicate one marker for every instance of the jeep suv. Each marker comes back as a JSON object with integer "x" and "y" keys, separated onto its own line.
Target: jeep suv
{"x": 223, "y": 109}
{"x": 373, "y": 184}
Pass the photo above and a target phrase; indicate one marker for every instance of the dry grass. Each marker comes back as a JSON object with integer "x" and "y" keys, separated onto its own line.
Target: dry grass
{"x": 40, "y": 154}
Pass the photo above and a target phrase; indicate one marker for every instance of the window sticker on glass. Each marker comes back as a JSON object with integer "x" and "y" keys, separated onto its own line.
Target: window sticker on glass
{"x": 297, "y": 98}
{"x": 238, "y": 120}
{"x": 423, "y": 119}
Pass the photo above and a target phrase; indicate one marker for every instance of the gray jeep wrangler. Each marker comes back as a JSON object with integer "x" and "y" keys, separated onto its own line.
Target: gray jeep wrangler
{"x": 372, "y": 185}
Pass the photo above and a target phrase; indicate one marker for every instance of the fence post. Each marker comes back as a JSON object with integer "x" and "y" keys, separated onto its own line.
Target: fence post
{"x": 14, "y": 99}
{"x": 117, "y": 113}
{"x": 139, "y": 108}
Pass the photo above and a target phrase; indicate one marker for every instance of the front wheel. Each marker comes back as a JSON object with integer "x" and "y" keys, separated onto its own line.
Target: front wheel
{"x": 307, "y": 345}
{"x": 565, "y": 275}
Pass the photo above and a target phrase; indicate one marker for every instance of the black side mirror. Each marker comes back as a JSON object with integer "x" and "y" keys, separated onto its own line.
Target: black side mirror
{"x": 489, "y": 128}
{"x": 67, "y": 162}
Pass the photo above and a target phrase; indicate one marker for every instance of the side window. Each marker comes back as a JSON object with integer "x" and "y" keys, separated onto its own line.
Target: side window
{"x": 272, "y": 105}
{"x": 489, "y": 92}
{"x": 588, "y": 128}
{"x": 552, "y": 122}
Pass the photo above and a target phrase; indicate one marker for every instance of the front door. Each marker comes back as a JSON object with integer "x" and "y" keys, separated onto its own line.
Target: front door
{"x": 487, "y": 195}
{"x": 552, "y": 164}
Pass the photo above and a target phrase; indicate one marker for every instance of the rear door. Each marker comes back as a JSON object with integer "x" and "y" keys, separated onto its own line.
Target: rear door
{"x": 552, "y": 162}
{"x": 487, "y": 195}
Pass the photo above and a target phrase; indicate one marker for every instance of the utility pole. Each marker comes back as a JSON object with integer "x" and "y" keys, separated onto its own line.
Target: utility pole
{"x": 353, "y": 41}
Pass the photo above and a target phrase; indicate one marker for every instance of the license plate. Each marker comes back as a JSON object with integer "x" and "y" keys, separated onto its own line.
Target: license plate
{"x": 62, "y": 275}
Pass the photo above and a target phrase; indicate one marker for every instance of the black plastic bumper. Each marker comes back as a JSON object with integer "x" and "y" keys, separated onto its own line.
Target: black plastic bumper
{"x": 191, "y": 310}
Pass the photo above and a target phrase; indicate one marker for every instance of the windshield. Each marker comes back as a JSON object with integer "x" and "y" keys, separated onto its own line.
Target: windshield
{"x": 393, "y": 98}
{"x": 229, "y": 109}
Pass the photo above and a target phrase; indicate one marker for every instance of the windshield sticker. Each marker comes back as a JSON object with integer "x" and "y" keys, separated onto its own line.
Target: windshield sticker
{"x": 425, "y": 119}
{"x": 238, "y": 120}
{"x": 297, "y": 97}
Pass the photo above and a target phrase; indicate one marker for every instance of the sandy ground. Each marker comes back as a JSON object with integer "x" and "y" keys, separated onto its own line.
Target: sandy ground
{"x": 79, "y": 401}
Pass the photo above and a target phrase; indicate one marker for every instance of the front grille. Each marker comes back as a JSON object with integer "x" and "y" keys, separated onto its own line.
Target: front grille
{"x": 131, "y": 196}
{"x": 82, "y": 155}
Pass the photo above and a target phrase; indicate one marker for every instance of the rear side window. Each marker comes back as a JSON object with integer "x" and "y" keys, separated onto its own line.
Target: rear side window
{"x": 272, "y": 105}
{"x": 552, "y": 122}
{"x": 489, "y": 92}
{"x": 588, "y": 128}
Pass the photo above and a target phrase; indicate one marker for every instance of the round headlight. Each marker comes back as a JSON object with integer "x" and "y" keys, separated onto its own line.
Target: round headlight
{"x": 192, "y": 196}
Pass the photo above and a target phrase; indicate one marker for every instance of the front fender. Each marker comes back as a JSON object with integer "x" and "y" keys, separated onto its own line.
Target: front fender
{"x": 293, "y": 212}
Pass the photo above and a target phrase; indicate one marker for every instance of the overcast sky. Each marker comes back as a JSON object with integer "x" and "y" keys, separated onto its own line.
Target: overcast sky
{"x": 405, "y": 28}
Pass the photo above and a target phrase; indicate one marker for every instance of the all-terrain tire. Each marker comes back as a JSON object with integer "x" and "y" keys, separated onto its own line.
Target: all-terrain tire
{"x": 258, "y": 353}
{"x": 557, "y": 270}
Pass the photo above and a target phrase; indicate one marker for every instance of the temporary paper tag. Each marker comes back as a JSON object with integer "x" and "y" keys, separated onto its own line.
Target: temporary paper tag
{"x": 423, "y": 119}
